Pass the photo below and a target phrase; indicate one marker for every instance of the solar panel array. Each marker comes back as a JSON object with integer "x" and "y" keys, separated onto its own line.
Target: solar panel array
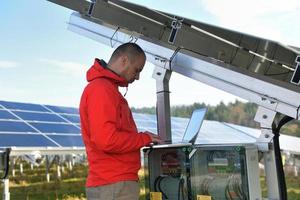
{"x": 34, "y": 125}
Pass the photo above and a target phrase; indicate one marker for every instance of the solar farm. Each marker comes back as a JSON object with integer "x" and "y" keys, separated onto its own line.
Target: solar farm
{"x": 47, "y": 150}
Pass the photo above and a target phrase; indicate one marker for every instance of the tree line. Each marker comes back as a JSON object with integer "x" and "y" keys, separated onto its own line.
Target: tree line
{"x": 237, "y": 112}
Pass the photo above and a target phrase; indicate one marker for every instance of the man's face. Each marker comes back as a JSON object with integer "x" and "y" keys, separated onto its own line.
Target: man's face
{"x": 133, "y": 68}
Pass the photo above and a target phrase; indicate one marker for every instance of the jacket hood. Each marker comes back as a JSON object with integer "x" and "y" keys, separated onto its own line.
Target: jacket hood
{"x": 99, "y": 70}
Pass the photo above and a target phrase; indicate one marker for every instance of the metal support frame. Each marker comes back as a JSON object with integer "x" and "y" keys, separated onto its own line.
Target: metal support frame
{"x": 47, "y": 169}
{"x": 13, "y": 163}
{"x": 266, "y": 117}
{"x": 21, "y": 168}
{"x": 6, "y": 194}
{"x": 253, "y": 173}
{"x": 262, "y": 90}
{"x": 4, "y": 165}
{"x": 252, "y": 68}
{"x": 162, "y": 77}
{"x": 296, "y": 76}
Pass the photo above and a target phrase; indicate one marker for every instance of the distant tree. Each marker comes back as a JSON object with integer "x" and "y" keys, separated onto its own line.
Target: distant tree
{"x": 236, "y": 112}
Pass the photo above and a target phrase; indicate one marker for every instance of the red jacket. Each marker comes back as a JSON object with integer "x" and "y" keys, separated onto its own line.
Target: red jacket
{"x": 108, "y": 130}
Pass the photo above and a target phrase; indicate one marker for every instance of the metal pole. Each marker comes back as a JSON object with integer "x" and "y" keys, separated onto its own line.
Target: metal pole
{"x": 271, "y": 178}
{"x": 6, "y": 194}
{"x": 58, "y": 171}
{"x": 47, "y": 169}
{"x": 13, "y": 171}
{"x": 266, "y": 117}
{"x": 162, "y": 77}
{"x": 21, "y": 168}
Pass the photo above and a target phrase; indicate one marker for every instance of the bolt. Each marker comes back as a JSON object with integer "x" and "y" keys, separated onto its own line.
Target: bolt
{"x": 265, "y": 116}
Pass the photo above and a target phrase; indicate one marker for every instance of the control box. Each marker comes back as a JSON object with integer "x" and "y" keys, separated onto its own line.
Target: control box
{"x": 200, "y": 172}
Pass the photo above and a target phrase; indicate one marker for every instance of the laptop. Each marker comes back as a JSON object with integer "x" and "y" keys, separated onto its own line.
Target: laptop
{"x": 191, "y": 131}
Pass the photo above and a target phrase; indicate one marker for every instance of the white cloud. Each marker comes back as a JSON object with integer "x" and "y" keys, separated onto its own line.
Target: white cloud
{"x": 68, "y": 67}
{"x": 5, "y": 64}
{"x": 236, "y": 9}
{"x": 268, "y": 19}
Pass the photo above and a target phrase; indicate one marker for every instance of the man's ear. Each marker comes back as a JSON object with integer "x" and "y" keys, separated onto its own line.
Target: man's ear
{"x": 124, "y": 59}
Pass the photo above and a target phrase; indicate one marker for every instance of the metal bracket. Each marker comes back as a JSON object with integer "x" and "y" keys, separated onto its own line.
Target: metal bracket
{"x": 161, "y": 62}
{"x": 91, "y": 8}
{"x": 265, "y": 117}
{"x": 269, "y": 102}
{"x": 296, "y": 76}
{"x": 176, "y": 25}
{"x": 161, "y": 75}
{"x": 4, "y": 162}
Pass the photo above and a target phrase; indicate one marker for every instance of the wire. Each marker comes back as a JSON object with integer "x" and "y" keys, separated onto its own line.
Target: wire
{"x": 297, "y": 117}
{"x": 276, "y": 74}
{"x": 157, "y": 185}
{"x": 111, "y": 45}
{"x": 180, "y": 48}
{"x": 180, "y": 189}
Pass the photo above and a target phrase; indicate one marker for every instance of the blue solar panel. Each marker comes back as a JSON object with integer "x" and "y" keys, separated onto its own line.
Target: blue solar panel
{"x": 31, "y": 116}
{"x": 43, "y": 119}
{"x": 6, "y": 115}
{"x": 24, "y": 140}
{"x": 148, "y": 124}
{"x": 61, "y": 109}
{"x": 47, "y": 120}
{"x": 56, "y": 128}
{"x": 23, "y": 106}
{"x": 68, "y": 141}
{"x": 9, "y": 126}
{"x": 139, "y": 116}
{"x": 72, "y": 118}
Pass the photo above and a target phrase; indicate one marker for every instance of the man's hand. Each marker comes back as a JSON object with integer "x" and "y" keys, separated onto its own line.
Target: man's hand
{"x": 155, "y": 139}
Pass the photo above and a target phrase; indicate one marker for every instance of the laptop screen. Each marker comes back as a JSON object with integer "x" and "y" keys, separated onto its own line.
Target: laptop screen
{"x": 192, "y": 129}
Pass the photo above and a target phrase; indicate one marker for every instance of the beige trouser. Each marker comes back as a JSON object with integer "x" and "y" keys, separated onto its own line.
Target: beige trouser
{"x": 124, "y": 190}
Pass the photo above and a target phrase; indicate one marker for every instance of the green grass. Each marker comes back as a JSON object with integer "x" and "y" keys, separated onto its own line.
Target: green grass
{"x": 32, "y": 185}
{"x": 293, "y": 187}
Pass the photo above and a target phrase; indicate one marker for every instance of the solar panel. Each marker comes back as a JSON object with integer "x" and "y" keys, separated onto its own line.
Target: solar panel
{"x": 67, "y": 141}
{"x": 50, "y": 130}
{"x": 14, "y": 126}
{"x": 72, "y": 118}
{"x": 56, "y": 128}
{"x": 34, "y": 125}
{"x": 62, "y": 109}
{"x": 48, "y": 117}
{"x": 24, "y": 140}
{"x": 6, "y": 115}
{"x": 22, "y": 106}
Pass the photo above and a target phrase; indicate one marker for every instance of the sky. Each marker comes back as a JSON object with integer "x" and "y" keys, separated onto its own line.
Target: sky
{"x": 43, "y": 62}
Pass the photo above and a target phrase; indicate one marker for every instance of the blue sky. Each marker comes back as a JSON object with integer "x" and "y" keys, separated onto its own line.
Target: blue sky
{"x": 42, "y": 62}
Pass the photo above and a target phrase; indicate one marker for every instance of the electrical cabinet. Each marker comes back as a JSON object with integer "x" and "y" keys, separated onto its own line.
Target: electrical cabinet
{"x": 202, "y": 172}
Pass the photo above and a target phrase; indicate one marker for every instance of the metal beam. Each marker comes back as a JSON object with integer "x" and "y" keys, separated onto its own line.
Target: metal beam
{"x": 240, "y": 50}
{"x": 263, "y": 90}
{"x": 81, "y": 6}
{"x": 19, "y": 151}
{"x": 162, "y": 77}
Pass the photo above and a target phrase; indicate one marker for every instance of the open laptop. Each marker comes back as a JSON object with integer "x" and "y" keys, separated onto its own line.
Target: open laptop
{"x": 191, "y": 131}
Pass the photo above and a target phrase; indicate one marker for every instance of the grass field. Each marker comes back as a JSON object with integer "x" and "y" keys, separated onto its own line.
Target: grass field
{"x": 32, "y": 185}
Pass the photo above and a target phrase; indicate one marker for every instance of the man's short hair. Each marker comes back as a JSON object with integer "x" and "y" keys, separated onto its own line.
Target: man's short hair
{"x": 130, "y": 49}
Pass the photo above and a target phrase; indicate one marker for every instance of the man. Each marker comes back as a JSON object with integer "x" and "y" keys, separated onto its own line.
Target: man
{"x": 109, "y": 132}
